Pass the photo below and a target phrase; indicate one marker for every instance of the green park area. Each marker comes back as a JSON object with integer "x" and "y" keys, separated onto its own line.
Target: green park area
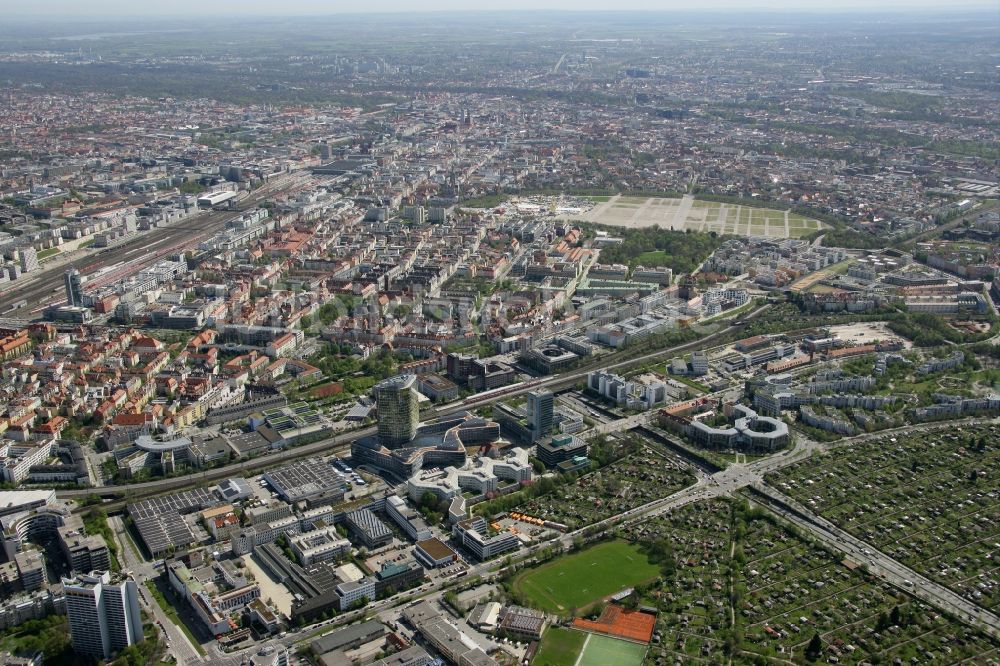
{"x": 560, "y": 647}
{"x": 572, "y": 583}
{"x": 687, "y": 214}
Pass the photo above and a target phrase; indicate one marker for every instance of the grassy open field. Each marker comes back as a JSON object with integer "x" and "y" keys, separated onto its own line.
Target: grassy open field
{"x": 653, "y": 258}
{"x": 695, "y": 215}
{"x": 604, "y": 650}
{"x": 574, "y": 582}
{"x": 560, "y": 647}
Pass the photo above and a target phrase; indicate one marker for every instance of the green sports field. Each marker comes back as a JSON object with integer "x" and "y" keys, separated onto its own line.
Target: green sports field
{"x": 574, "y": 582}
{"x": 602, "y": 650}
{"x": 560, "y": 647}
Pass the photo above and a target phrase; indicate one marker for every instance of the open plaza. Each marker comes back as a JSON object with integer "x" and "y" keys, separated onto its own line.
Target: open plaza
{"x": 688, "y": 213}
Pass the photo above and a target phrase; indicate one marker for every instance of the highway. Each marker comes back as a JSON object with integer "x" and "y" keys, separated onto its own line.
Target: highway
{"x": 878, "y": 563}
{"x": 724, "y": 483}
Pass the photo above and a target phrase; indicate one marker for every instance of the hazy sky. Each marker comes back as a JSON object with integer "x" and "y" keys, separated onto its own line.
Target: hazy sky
{"x": 194, "y": 8}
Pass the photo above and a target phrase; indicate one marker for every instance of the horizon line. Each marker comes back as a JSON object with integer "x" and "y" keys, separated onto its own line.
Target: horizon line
{"x": 861, "y": 8}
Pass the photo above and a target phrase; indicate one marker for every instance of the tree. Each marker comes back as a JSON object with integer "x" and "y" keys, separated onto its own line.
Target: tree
{"x": 883, "y": 622}
{"x": 815, "y": 648}
{"x": 429, "y": 501}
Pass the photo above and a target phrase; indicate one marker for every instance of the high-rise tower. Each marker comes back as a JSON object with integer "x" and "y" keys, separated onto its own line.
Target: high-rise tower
{"x": 398, "y": 410}
{"x": 104, "y": 617}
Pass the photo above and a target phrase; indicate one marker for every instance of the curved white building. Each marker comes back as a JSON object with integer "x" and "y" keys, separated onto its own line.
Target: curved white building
{"x": 750, "y": 431}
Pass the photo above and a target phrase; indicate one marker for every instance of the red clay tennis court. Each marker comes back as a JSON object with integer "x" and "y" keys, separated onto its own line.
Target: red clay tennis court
{"x": 621, "y": 623}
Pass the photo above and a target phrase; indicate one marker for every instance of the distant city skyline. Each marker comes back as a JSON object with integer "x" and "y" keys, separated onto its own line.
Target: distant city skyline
{"x": 193, "y": 8}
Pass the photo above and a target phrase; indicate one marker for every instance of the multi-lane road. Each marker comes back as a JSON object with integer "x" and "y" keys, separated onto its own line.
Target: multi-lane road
{"x": 340, "y": 443}
{"x": 877, "y": 562}
{"x": 727, "y": 482}
{"x": 178, "y": 644}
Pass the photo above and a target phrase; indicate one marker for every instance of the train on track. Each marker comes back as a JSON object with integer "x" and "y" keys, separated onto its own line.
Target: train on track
{"x": 500, "y": 392}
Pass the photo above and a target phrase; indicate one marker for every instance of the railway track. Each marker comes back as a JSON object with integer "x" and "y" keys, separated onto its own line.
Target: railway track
{"x": 122, "y": 495}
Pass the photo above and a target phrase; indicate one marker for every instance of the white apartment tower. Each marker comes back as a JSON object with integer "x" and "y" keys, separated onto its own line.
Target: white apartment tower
{"x": 104, "y": 617}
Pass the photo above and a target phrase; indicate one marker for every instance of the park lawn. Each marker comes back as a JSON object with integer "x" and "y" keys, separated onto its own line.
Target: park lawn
{"x": 560, "y": 647}
{"x": 603, "y": 650}
{"x": 48, "y": 252}
{"x": 574, "y": 582}
{"x": 799, "y": 232}
{"x": 652, "y": 259}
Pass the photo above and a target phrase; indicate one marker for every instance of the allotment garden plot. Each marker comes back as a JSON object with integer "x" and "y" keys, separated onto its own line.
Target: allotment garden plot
{"x": 745, "y": 586}
{"x": 929, "y": 500}
{"x": 789, "y": 590}
{"x": 693, "y": 599}
{"x": 633, "y": 481}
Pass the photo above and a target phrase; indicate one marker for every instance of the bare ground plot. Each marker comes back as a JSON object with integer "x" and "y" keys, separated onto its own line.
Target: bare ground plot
{"x": 689, "y": 213}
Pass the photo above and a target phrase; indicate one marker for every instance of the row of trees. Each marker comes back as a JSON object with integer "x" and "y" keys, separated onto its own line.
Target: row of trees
{"x": 96, "y": 523}
{"x": 927, "y": 330}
